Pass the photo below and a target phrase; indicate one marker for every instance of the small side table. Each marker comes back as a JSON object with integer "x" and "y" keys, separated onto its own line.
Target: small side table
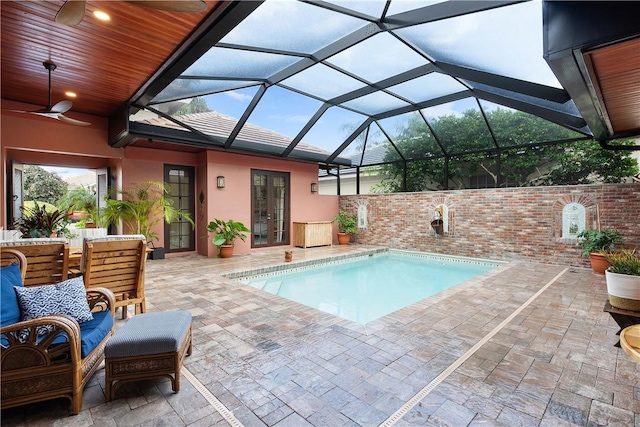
{"x": 623, "y": 318}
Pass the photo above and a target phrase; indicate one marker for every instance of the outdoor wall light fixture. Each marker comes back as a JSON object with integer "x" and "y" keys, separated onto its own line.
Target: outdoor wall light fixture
{"x": 220, "y": 181}
{"x": 314, "y": 187}
{"x": 201, "y": 197}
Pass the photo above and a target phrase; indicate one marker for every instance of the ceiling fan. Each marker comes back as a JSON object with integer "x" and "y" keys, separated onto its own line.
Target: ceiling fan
{"x": 56, "y": 111}
{"x": 72, "y": 11}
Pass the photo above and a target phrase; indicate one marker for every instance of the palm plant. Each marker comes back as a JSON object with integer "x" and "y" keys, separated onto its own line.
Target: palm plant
{"x": 144, "y": 205}
{"x": 84, "y": 199}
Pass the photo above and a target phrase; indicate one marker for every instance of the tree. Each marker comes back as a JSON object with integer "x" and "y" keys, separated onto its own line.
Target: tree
{"x": 585, "y": 162}
{"x": 578, "y": 162}
{"x": 42, "y": 185}
{"x": 197, "y": 105}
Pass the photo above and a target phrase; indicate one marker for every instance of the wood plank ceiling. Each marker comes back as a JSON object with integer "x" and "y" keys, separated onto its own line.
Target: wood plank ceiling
{"x": 104, "y": 63}
{"x": 616, "y": 69}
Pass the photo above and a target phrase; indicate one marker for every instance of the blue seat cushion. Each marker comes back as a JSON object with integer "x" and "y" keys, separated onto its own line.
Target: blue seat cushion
{"x": 91, "y": 332}
{"x": 9, "y": 309}
{"x": 94, "y": 331}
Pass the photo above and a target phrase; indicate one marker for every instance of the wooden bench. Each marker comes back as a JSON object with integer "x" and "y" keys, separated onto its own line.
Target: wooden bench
{"x": 146, "y": 346}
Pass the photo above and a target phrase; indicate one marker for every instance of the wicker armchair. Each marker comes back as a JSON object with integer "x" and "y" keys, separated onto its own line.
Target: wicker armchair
{"x": 58, "y": 363}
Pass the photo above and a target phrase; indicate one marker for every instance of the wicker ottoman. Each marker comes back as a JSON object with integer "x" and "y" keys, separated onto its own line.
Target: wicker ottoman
{"x": 148, "y": 345}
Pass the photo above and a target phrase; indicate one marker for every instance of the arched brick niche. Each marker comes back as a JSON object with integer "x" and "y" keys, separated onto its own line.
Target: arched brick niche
{"x": 573, "y": 213}
{"x": 443, "y": 205}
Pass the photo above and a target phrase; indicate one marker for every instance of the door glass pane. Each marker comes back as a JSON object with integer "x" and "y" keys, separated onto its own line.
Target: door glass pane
{"x": 270, "y": 211}
{"x": 17, "y": 192}
{"x": 180, "y": 230}
{"x": 279, "y": 209}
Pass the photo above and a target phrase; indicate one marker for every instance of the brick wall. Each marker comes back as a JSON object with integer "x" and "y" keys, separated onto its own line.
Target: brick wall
{"x": 502, "y": 224}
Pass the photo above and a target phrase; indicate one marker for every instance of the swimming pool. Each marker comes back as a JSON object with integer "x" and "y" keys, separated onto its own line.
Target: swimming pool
{"x": 373, "y": 286}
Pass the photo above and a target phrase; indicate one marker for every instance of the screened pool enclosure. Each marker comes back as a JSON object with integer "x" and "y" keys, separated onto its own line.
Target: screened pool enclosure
{"x": 360, "y": 83}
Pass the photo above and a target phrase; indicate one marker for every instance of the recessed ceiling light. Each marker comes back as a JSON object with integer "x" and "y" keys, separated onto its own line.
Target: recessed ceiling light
{"x": 103, "y": 16}
{"x": 70, "y": 94}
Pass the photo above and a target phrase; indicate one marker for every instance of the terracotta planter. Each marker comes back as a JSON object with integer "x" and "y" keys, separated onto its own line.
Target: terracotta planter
{"x": 344, "y": 238}
{"x": 226, "y": 251}
{"x": 438, "y": 226}
{"x": 598, "y": 262}
{"x": 624, "y": 291}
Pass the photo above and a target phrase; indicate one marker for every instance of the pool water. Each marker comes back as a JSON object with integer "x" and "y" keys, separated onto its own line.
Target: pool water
{"x": 367, "y": 289}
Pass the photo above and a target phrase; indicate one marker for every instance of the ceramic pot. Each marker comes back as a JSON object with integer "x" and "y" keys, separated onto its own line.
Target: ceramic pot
{"x": 624, "y": 291}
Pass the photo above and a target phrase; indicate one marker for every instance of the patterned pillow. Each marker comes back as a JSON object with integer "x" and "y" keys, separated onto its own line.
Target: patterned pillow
{"x": 68, "y": 297}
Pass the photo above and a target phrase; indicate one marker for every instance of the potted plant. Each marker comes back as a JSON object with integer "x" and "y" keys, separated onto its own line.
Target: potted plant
{"x": 38, "y": 221}
{"x": 144, "y": 205}
{"x": 595, "y": 243}
{"x": 347, "y": 225}
{"x": 225, "y": 235}
{"x": 84, "y": 199}
{"x": 623, "y": 279}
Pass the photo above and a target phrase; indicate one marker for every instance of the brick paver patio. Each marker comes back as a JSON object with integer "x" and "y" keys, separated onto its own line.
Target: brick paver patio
{"x": 487, "y": 352}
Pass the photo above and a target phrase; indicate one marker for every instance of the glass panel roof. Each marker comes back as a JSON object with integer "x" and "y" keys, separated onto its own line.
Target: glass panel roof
{"x": 234, "y": 63}
{"x": 276, "y": 25}
{"x": 427, "y": 87}
{"x": 373, "y": 8}
{"x": 399, "y": 6}
{"x": 504, "y": 40}
{"x": 335, "y": 125}
{"x": 409, "y": 132}
{"x": 187, "y": 88}
{"x": 286, "y": 69}
{"x": 537, "y": 129}
{"x": 286, "y": 119}
{"x": 231, "y": 103}
{"x": 474, "y": 136}
{"x": 375, "y": 103}
{"x": 323, "y": 82}
{"x": 389, "y": 55}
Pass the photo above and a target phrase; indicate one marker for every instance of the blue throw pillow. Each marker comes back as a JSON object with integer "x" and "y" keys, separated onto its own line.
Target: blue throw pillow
{"x": 68, "y": 297}
{"x": 9, "y": 309}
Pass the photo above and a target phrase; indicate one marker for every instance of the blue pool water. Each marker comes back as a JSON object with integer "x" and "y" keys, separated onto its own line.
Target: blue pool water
{"x": 370, "y": 288}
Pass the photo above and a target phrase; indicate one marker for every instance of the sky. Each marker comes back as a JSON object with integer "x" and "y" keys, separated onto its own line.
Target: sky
{"x": 65, "y": 173}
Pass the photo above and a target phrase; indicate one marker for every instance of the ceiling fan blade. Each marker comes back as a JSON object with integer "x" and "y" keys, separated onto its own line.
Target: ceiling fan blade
{"x": 185, "y": 6}
{"x": 71, "y": 13}
{"x": 61, "y": 107}
{"x": 45, "y": 113}
{"x": 71, "y": 121}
